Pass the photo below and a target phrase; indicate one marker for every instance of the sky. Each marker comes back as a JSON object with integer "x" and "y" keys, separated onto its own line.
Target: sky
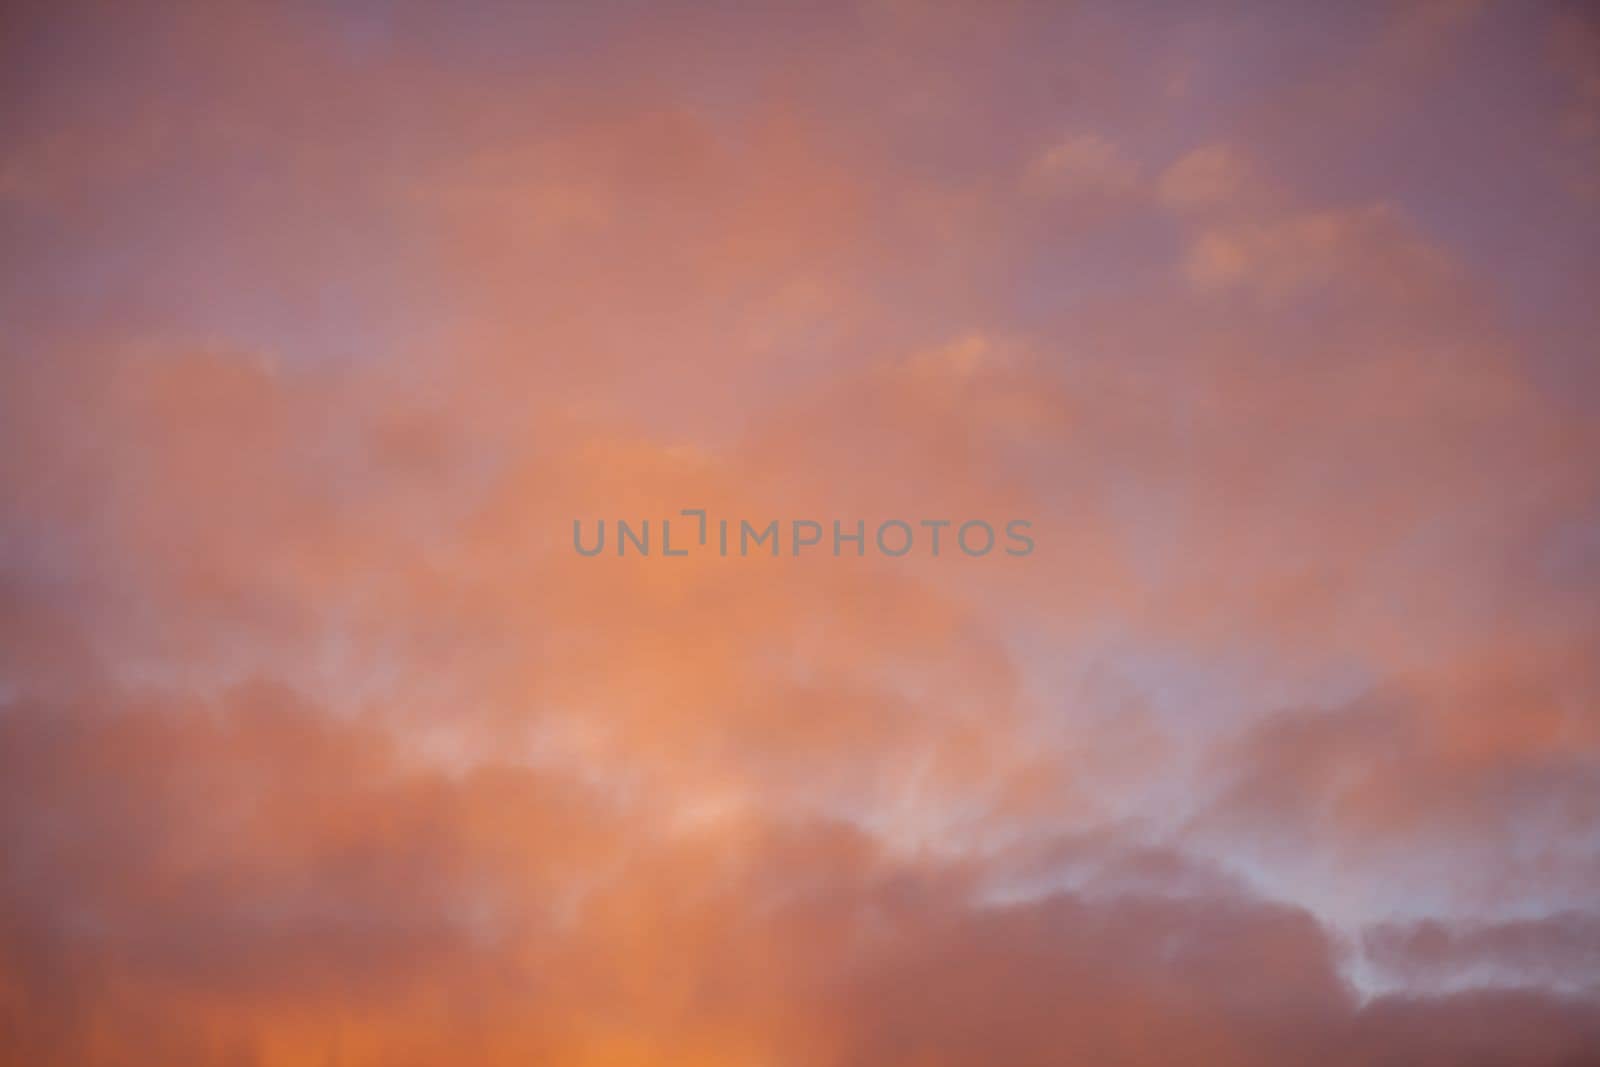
{"x": 321, "y": 324}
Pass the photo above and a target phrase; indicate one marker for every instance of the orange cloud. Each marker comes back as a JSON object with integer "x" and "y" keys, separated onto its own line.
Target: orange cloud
{"x": 319, "y": 742}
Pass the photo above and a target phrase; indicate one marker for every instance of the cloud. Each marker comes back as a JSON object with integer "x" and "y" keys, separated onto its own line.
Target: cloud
{"x": 1551, "y": 951}
{"x": 1316, "y": 250}
{"x": 319, "y": 742}
{"x": 1083, "y": 165}
{"x": 331, "y": 893}
{"x": 1206, "y": 177}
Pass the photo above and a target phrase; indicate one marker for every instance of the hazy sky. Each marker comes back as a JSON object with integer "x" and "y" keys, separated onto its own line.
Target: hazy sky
{"x": 320, "y": 323}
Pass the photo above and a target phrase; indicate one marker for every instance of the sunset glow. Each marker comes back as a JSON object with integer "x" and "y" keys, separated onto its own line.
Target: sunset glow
{"x": 331, "y": 332}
